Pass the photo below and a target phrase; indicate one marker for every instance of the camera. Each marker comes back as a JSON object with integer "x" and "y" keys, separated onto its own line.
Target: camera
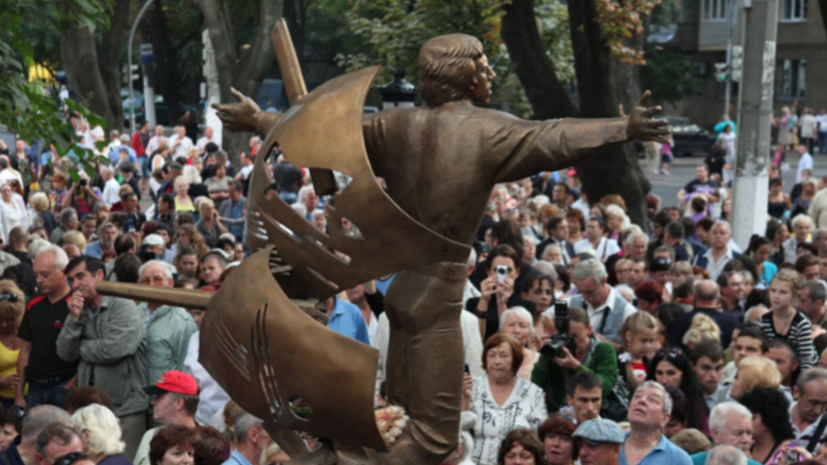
{"x": 82, "y": 183}
{"x": 554, "y": 347}
{"x": 502, "y": 273}
{"x": 791, "y": 456}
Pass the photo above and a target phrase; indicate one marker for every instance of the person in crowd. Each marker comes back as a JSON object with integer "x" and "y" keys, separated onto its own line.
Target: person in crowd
{"x": 68, "y": 222}
{"x": 212, "y": 395}
{"x": 187, "y": 264}
{"x": 108, "y": 338}
{"x": 508, "y": 401}
{"x": 38, "y": 365}
{"x": 12, "y": 307}
{"x": 539, "y": 290}
{"x": 252, "y": 440}
{"x": 13, "y": 212}
{"x": 649, "y": 412}
{"x": 209, "y": 225}
{"x": 760, "y": 249}
{"x": 586, "y": 354}
{"x": 596, "y": 240}
{"x": 521, "y": 447}
{"x": 584, "y": 396}
{"x": 78, "y": 398}
{"x": 801, "y": 227}
{"x": 101, "y": 435}
{"x": 707, "y": 297}
{"x": 811, "y": 302}
{"x": 671, "y": 367}
{"x": 747, "y": 340}
{"x": 40, "y": 204}
{"x": 56, "y": 440}
{"x": 599, "y": 442}
{"x": 174, "y": 402}
{"x": 183, "y": 201}
{"x": 708, "y": 363}
{"x": 783, "y": 354}
{"x": 719, "y": 253}
{"x": 807, "y": 412}
{"x": 212, "y": 267}
{"x": 104, "y": 248}
{"x": 772, "y": 432}
{"x": 168, "y": 328}
{"x": 787, "y": 323}
{"x": 639, "y": 334}
{"x": 186, "y": 235}
{"x": 778, "y": 202}
{"x": 732, "y": 284}
{"x": 649, "y": 296}
{"x": 556, "y": 434}
{"x": 730, "y": 424}
{"x": 23, "y": 449}
{"x": 232, "y": 212}
{"x": 755, "y": 372}
{"x": 600, "y": 300}
{"x": 175, "y": 445}
{"x": 211, "y": 448}
{"x": 517, "y": 322}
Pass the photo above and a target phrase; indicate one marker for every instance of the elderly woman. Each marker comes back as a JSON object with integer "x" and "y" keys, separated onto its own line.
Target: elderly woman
{"x": 649, "y": 296}
{"x": 552, "y": 253}
{"x": 616, "y": 221}
{"x": 754, "y": 372}
{"x": 12, "y": 212}
{"x": 75, "y": 238}
{"x": 209, "y": 225}
{"x": 183, "y": 202}
{"x": 521, "y": 447}
{"x": 517, "y": 322}
{"x": 12, "y": 305}
{"x": 174, "y": 445}
{"x": 502, "y": 400}
{"x": 556, "y": 434}
{"x": 101, "y": 434}
{"x": 40, "y": 204}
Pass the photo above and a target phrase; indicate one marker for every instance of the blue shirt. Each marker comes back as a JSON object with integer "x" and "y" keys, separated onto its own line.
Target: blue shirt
{"x": 114, "y": 157}
{"x": 665, "y": 453}
{"x": 237, "y": 459}
{"x": 700, "y": 459}
{"x": 382, "y": 286}
{"x": 94, "y": 250}
{"x": 347, "y": 320}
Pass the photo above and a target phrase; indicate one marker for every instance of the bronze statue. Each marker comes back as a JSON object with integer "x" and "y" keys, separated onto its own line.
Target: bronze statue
{"x": 440, "y": 163}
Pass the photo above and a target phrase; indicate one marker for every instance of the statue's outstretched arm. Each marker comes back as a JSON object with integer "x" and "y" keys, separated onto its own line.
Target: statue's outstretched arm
{"x": 245, "y": 115}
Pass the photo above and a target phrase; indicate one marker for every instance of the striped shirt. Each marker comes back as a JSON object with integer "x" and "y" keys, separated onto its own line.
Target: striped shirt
{"x": 799, "y": 336}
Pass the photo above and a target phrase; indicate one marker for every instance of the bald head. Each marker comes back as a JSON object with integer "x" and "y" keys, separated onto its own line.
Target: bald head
{"x": 707, "y": 293}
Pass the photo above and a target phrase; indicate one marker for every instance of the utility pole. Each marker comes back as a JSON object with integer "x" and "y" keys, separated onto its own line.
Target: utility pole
{"x": 751, "y": 184}
{"x": 732, "y": 12}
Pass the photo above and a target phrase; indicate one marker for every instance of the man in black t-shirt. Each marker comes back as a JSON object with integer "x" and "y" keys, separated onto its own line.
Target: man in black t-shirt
{"x": 288, "y": 180}
{"x": 701, "y": 184}
{"x": 48, "y": 376}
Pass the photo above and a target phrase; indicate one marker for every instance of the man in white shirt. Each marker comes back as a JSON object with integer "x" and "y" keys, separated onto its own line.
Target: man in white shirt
{"x": 202, "y": 142}
{"x": 179, "y": 144}
{"x": 155, "y": 140}
{"x": 809, "y": 128}
{"x": 604, "y": 247}
{"x": 804, "y": 163}
{"x": 246, "y": 167}
{"x": 111, "y": 186}
{"x": 821, "y": 118}
{"x": 606, "y": 308}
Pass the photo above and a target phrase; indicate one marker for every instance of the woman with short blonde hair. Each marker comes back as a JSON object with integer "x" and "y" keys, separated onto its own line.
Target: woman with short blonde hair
{"x": 75, "y": 238}
{"x": 755, "y": 371}
{"x": 101, "y": 434}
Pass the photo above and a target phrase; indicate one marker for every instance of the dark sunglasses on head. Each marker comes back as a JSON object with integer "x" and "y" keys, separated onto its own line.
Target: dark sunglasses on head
{"x": 10, "y": 297}
{"x": 672, "y": 352}
{"x": 71, "y": 458}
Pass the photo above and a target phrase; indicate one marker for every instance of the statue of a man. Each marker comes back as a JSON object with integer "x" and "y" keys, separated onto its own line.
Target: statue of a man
{"x": 441, "y": 162}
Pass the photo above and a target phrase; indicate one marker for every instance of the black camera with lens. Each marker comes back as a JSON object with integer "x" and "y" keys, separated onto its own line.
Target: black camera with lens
{"x": 554, "y": 347}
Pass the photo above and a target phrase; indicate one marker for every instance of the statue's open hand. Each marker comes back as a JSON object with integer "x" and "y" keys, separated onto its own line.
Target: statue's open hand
{"x": 642, "y": 127}
{"x": 241, "y": 116}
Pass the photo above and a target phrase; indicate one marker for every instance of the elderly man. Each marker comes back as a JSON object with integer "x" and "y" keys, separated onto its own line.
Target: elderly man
{"x": 802, "y": 225}
{"x": 733, "y": 292}
{"x": 649, "y": 411}
{"x": 808, "y": 411}
{"x": 23, "y": 449}
{"x": 104, "y": 248}
{"x": 606, "y": 308}
{"x": 673, "y": 237}
{"x": 784, "y": 356}
{"x": 719, "y": 253}
{"x": 811, "y": 303}
{"x": 634, "y": 247}
{"x": 107, "y": 336}
{"x": 54, "y": 442}
{"x": 599, "y": 442}
{"x": 174, "y": 402}
{"x": 251, "y": 438}
{"x": 727, "y": 455}
{"x": 179, "y": 143}
{"x": 68, "y": 222}
{"x": 730, "y": 424}
{"x": 48, "y": 377}
{"x": 232, "y": 210}
{"x": 110, "y": 186}
{"x": 168, "y": 328}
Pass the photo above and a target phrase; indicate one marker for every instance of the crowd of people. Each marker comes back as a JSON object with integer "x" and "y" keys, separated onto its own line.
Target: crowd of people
{"x": 586, "y": 338}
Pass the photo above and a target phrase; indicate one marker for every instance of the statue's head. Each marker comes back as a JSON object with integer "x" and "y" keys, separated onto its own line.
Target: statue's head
{"x": 453, "y": 67}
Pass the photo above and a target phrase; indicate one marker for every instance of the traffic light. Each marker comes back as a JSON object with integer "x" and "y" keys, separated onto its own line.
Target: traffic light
{"x": 737, "y": 62}
{"x": 130, "y": 74}
{"x": 721, "y": 71}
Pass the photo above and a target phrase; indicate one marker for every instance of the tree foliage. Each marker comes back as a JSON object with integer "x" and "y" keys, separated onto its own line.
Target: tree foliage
{"x": 670, "y": 76}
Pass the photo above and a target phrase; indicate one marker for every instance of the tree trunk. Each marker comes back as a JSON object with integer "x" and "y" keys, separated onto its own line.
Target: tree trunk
{"x": 245, "y": 73}
{"x": 617, "y": 170}
{"x": 627, "y": 76}
{"x": 167, "y": 73}
{"x": 534, "y": 68}
{"x": 109, "y": 57}
{"x": 80, "y": 59}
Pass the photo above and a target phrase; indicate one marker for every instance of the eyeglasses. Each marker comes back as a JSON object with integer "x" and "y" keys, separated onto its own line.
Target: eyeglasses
{"x": 71, "y": 458}
{"x": 673, "y": 352}
{"x": 153, "y": 280}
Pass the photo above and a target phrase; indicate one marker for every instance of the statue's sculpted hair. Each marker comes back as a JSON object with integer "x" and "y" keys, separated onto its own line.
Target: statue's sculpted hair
{"x": 447, "y": 65}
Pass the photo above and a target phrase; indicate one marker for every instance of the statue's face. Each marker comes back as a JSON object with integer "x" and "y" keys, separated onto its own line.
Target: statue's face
{"x": 481, "y": 93}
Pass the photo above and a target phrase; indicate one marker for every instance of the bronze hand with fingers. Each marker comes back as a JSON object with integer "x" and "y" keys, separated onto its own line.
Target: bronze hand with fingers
{"x": 643, "y": 127}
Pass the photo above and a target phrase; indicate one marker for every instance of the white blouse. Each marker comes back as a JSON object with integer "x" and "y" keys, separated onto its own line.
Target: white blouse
{"x": 525, "y": 408}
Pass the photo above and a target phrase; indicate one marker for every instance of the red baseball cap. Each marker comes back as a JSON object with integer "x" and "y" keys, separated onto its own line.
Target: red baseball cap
{"x": 174, "y": 381}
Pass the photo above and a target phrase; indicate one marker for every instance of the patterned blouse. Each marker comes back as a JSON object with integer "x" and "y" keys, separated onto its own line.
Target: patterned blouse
{"x": 525, "y": 408}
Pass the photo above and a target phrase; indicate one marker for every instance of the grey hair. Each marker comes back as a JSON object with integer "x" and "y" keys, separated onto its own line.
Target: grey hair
{"x": 243, "y": 422}
{"x": 472, "y": 258}
{"x": 519, "y": 312}
{"x": 34, "y": 247}
{"x": 168, "y": 269}
{"x": 61, "y": 259}
{"x": 812, "y": 374}
{"x": 818, "y": 233}
{"x": 530, "y": 240}
{"x": 591, "y": 268}
{"x": 104, "y": 226}
{"x": 755, "y": 309}
{"x": 107, "y": 168}
{"x": 626, "y": 292}
{"x": 547, "y": 268}
{"x": 667, "y": 399}
{"x": 630, "y": 239}
{"x": 717, "y": 417}
{"x": 67, "y": 214}
{"x": 724, "y": 224}
{"x": 548, "y": 248}
{"x": 726, "y": 455}
{"x": 39, "y": 418}
{"x": 801, "y": 217}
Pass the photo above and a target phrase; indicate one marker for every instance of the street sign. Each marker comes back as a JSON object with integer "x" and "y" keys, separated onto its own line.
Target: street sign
{"x": 147, "y": 54}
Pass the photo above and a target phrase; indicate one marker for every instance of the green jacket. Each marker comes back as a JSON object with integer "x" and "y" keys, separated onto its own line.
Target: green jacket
{"x": 111, "y": 345}
{"x": 168, "y": 334}
{"x": 601, "y": 360}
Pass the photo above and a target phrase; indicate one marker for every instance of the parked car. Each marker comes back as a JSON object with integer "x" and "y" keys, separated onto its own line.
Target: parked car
{"x": 690, "y": 138}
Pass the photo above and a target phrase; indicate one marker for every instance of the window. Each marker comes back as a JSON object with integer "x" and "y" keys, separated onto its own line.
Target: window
{"x": 793, "y": 10}
{"x": 715, "y": 10}
{"x": 791, "y": 79}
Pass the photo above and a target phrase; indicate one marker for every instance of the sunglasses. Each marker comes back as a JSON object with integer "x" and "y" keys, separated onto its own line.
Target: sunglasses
{"x": 672, "y": 352}
{"x": 71, "y": 458}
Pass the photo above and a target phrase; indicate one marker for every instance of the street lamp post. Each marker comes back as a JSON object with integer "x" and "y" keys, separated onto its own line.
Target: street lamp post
{"x": 398, "y": 92}
{"x": 129, "y": 63}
